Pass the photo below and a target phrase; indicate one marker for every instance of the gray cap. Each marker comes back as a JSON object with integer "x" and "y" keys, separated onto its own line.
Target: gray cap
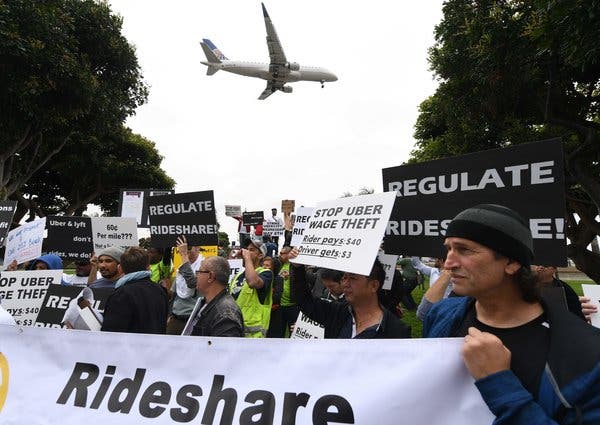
{"x": 496, "y": 227}
{"x": 113, "y": 252}
{"x": 258, "y": 244}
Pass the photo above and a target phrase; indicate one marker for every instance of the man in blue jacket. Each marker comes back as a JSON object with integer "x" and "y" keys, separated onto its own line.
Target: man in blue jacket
{"x": 533, "y": 362}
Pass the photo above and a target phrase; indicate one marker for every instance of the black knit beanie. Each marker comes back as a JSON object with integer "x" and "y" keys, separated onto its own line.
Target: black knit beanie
{"x": 496, "y": 227}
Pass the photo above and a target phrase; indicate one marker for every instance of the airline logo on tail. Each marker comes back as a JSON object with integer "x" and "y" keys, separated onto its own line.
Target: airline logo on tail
{"x": 215, "y": 49}
{"x": 4, "y": 382}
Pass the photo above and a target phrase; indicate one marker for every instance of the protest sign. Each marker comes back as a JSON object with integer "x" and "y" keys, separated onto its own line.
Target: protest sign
{"x": 306, "y": 328}
{"x": 74, "y": 381}
{"x": 69, "y": 237}
{"x": 593, "y": 293}
{"x": 25, "y": 242}
{"x": 389, "y": 265}
{"x": 300, "y": 222}
{"x": 272, "y": 228}
{"x": 22, "y": 292}
{"x": 528, "y": 178}
{"x": 134, "y": 203}
{"x": 345, "y": 234}
{"x": 57, "y": 299}
{"x": 288, "y": 205}
{"x": 7, "y": 211}
{"x": 233, "y": 210}
{"x": 235, "y": 267}
{"x": 253, "y": 218}
{"x": 189, "y": 214}
{"x": 113, "y": 231}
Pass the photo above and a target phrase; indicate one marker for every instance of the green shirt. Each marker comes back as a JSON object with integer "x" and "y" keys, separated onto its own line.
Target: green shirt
{"x": 286, "y": 296}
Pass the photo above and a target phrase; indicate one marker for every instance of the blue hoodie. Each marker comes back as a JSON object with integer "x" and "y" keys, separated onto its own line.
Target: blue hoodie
{"x": 53, "y": 262}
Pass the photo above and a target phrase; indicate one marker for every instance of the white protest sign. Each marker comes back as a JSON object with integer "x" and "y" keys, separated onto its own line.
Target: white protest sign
{"x": 25, "y": 242}
{"x": 272, "y": 228}
{"x": 132, "y": 204}
{"x": 345, "y": 234}
{"x": 300, "y": 223}
{"x": 23, "y": 292}
{"x": 114, "y": 231}
{"x": 389, "y": 265}
{"x": 131, "y": 383}
{"x": 233, "y": 210}
{"x": 593, "y": 293}
{"x": 235, "y": 267}
{"x": 306, "y": 328}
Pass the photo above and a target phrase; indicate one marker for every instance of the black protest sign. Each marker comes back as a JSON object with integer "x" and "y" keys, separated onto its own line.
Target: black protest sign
{"x": 189, "y": 214}
{"x": 7, "y": 211}
{"x": 528, "y": 178}
{"x": 57, "y": 301}
{"x": 253, "y": 218}
{"x": 69, "y": 237}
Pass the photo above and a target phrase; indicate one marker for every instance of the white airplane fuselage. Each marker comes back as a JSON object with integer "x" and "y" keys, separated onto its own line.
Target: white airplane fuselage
{"x": 261, "y": 70}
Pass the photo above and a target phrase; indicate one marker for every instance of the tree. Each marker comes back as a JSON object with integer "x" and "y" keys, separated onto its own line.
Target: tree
{"x": 519, "y": 71}
{"x": 66, "y": 73}
{"x": 92, "y": 170}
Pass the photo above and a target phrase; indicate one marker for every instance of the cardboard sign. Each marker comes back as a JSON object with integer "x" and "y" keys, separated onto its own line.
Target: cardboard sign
{"x": 288, "y": 206}
{"x": 189, "y": 214}
{"x": 527, "y": 178}
{"x": 593, "y": 293}
{"x": 345, "y": 234}
{"x": 69, "y": 237}
{"x": 57, "y": 299}
{"x": 22, "y": 292}
{"x": 7, "y": 211}
{"x": 235, "y": 267}
{"x": 300, "y": 223}
{"x": 25, "y": 242}
{"x": 113, "y": 231}
{"x": 389, "y": 265}
{"x": 306, "y": 328}
{"x": 253, "y": 218}
{"x": 134, "y": 203}
{"x": 272, "y": 228}
{"x": 233, "y": 210}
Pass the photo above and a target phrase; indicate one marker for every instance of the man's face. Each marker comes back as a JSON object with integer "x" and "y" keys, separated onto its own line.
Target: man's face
{"x": 255, "y": 253}
{"x": 274, "y": 212}
{"x": 40, "y": 265}
{"x": 268, "y": 264}
{"x": 475, "y": 268}
{"x": 333, "y": 287}
{"x": 107, "y": 266}
{"x": 202, "y": 276}
{"x": 358, "y": 288}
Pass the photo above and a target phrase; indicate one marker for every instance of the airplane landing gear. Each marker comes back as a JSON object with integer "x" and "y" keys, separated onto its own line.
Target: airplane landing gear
{"x": 322, "y": 84}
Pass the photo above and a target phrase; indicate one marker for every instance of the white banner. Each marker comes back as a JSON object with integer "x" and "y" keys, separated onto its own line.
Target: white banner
{"x": 114, "y": 231}
{"x": 593, "y": 293}
{"x": 345, "y": 234}
{"x": 389, "y": 265}
{"x": 70, "y": 377}
{"x": 25, "y": 242}
{"x": 300, "y": 223}
{"x": 23, "y": 292}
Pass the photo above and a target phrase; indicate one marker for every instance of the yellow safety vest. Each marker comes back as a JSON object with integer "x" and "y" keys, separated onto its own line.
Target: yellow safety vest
{"x": 256, "y": 315}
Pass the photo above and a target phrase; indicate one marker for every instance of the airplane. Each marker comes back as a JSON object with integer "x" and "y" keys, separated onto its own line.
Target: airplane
{"x": 277, "y": 73}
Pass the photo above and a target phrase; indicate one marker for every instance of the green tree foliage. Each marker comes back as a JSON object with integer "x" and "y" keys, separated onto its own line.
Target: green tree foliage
{"x": 67, "y": 74}
{"x": 519, "y": 71}
{"x": 92, "y": 170}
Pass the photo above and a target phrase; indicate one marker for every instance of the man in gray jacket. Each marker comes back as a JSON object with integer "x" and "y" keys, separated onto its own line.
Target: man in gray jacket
{"x": 217, "y": 314}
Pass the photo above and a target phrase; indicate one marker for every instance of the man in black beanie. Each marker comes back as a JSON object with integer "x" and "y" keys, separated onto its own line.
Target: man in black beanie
{"x": 519, "y": 349}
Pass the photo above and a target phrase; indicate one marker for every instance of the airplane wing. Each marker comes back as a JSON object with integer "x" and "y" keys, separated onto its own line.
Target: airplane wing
{"x": 276, "y": 53}
{"x": 272, "y": 87}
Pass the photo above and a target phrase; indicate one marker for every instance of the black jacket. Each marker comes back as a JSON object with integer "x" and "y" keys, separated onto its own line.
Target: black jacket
{"x": 333, "y": 315}
{"x": 139, "y": 306}
{"x": 220, "y": 317}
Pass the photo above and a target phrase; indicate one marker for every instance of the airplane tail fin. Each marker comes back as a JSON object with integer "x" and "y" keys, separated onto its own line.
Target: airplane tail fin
{"x": 211, "y": 70}
{"x": 215, "y": 52}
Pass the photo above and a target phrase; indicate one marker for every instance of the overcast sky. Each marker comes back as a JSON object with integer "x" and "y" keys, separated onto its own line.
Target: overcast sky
{"x": 311, "y": 145}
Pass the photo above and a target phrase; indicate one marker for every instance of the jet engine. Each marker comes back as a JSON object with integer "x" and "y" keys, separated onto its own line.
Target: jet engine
{"x": 293, "y": 66}
{"x": 287, "y": 89}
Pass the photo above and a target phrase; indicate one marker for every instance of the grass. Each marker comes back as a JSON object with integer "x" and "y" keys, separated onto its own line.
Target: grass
{"x": 410, "y": 317}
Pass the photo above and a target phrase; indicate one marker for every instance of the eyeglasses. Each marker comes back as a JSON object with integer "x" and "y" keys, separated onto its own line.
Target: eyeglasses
{"x": 202, "y": 271}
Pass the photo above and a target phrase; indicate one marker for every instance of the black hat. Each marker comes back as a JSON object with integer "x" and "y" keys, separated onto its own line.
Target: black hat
{"x": 496, "y": 227}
